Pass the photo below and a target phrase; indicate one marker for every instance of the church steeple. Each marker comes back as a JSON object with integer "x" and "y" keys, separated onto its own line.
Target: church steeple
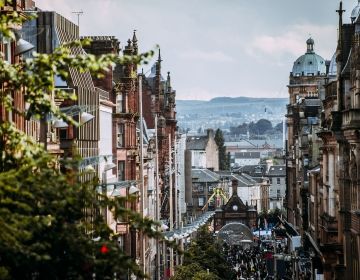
{"x": 339, "y": 58}
{"x": 134, "y": 42}
{"x": 158, "y": 83}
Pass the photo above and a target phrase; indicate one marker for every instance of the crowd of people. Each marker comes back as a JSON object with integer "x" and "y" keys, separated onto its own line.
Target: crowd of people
{"x": 256, "y": 261}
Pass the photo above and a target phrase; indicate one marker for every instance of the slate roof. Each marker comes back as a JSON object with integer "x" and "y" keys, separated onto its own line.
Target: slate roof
{"x": 242, "y": 143}
{"x": 277, "y": 171}
{"x": 252, "y": 144}
{"x": 196, "y": 142}
{"x": 244, "y": 180}
{"x": 256, "y": 172}
{"x": 204, "y": 176}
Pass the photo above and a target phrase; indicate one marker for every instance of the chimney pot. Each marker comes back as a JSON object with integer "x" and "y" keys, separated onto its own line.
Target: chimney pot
{"x": 234, "y": 184}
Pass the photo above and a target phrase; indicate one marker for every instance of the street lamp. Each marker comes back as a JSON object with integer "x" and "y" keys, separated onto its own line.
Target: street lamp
{"x": 133, "y": 190}
{"x": 107, "y": 167}
{"x": 23, "y": 46}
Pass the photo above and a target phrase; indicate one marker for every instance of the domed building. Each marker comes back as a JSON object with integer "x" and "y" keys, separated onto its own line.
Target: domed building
{"x": 306, "y": 82}
{"x": 308, "y": 72}
{"x": 332, "y": 67}
{"x": 355, "y": 12}
{"x": 309, "y": 64}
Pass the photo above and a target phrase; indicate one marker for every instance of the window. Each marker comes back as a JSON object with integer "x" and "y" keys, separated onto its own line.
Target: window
{"x": 278, "y": 181}
{"x": 7, "y": 50}
{"x": 120, "y": 135}
{"x": 201, "y": 201}
{"x": 278, "y": 193}
{"x": 121, "y": 242}
{"x": 271, "y": 181}
{"x": 119, "y": 103}
{"x": 121, "y": 170}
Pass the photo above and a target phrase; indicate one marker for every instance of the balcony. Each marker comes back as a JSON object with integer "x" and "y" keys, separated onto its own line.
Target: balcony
{"x": 331, "y": 91}
{"x": 329, "y": 223}
{"x": 351, "y": 119}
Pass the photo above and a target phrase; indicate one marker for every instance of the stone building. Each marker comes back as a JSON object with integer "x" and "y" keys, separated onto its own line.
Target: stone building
{"x": 306, "y": 81}
{"x": 235, "y": 211}
{"x": 159, "y": 101}
{"x": 11, "y": 54}
{"x": 330, "y": 227}
{"x": 203, "y": 183}
{"x": 246, "y": 158}
{"x": 203, "y": 151}
{"x": 277, "y": 177}
{"x": 344, "y": 123}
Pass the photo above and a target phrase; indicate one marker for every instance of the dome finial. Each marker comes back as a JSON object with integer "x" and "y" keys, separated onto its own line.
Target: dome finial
{"x": 310, "y": 45}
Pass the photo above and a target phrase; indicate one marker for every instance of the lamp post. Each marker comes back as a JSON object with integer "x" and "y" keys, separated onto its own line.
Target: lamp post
{"x": 157, "y": 198}
{"x": 107, "y": 167}
{"x": 171, "y": 206}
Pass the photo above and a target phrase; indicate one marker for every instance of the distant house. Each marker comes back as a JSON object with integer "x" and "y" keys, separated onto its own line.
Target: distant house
{"x": 203, "y": 151}
{"x": 235, "y": 211}
{"x": 277, "y": 181}
{"x": 251, "y": 192}
{"x": 203, "y": 183}
{"x": 247, "y": 158}
{"x": 266, "y": 148}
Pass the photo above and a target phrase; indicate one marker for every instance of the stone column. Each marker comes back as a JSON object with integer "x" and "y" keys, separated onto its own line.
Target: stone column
{"x": 331, "y": 182}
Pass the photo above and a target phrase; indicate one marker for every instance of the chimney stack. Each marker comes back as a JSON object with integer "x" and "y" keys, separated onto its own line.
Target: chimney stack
{"x": 234, "y": 184}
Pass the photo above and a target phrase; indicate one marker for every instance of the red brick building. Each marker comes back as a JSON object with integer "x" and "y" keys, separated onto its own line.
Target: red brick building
{"x": 159, "y": 100}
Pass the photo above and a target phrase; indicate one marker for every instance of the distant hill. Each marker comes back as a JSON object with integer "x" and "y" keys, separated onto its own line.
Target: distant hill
{"x": 228, "y": 111}
{"x": 242, "y": 99}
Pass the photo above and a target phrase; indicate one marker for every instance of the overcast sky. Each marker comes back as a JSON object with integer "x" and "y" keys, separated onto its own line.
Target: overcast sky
{"x": 216, "y": 47}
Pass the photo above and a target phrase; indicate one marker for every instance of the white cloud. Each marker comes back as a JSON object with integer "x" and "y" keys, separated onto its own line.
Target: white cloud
{"x": 293, "y": 40}
{"x": 196, "y": 93}
{"x": 207, "y": 56}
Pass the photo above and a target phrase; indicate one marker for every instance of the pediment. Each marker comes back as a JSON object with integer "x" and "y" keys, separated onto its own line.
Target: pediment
{"x": 237, "y": 202}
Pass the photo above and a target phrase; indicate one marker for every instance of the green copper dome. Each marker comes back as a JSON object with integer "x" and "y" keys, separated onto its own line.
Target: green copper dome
{"x": 333, "y": 66}
{"x": 355, "y": 12}
{"x": 309, "y": 64}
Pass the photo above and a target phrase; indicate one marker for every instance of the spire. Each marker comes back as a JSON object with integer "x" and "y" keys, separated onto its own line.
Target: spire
{"x": 158, "y": 70}
{"x": 159, "y": 57}
{"x": 129, "y": 44}
{"x": 128, "y": 49}
{"x": 340, "y": 12}
{"x": 134, "y": 41}
{"x": 168, "y": 82}
{"x": 158, "y": 90}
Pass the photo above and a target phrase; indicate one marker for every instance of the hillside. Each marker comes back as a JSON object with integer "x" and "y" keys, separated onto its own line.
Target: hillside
{"x": 224, "y": 112}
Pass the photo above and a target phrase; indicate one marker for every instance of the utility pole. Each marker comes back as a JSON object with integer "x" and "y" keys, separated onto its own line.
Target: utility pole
{"x": 157, "y": 198}
{"x": 171, "y": 206}
{"x": 78, "y": 13}
{"x": 143, "y": 195}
